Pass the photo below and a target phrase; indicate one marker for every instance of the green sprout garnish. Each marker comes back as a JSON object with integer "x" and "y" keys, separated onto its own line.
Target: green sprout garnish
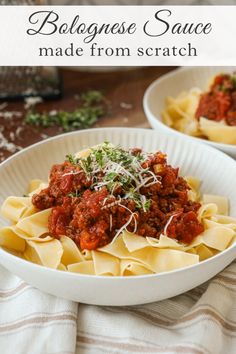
{"x": 92, "y": 107}
{"x": 72, "y": 159}
{"x": 114, "y": 167}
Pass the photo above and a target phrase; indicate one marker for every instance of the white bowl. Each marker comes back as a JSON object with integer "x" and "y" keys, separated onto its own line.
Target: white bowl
{"x": 193, "y": 158}
{"x": 174, "y": 83}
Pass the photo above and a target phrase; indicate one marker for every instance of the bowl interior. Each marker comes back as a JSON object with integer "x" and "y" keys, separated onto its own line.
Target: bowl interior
{"x": 216, "y": 170}
{"x": 172, "y": 84}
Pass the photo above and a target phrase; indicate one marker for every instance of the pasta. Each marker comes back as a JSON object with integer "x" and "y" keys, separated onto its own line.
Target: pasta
{"x": 210, "y": 115}
{"x": 128, "y": 253}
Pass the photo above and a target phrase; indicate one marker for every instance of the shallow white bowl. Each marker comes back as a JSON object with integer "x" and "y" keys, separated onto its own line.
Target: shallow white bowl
{"x": 174, "y": 83}
{"x": 35, "y": 162}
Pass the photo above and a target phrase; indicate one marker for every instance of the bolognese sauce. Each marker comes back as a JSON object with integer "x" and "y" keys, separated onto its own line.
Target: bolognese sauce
{"x": 219, "y": 103}
{"x": 94, "y": 199}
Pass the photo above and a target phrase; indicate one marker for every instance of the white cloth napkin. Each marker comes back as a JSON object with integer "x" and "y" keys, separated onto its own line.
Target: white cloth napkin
{"x": 200, "y": 321}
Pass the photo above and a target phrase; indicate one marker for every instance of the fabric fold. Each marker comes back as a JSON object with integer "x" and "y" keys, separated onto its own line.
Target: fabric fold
{"x": 32, "y": 321}
{"x": 203, "y": 320}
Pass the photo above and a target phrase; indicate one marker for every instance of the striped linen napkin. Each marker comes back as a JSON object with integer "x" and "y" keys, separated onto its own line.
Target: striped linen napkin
{"x": 200, "y": 321}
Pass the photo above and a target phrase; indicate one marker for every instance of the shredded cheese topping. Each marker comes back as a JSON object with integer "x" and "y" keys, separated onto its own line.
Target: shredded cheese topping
{"x": 113, "y": 167}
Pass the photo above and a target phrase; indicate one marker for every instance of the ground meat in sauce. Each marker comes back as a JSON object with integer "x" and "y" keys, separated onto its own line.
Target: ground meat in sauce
{"x": 220, "y": 102}
{"x": 92, "y": 217}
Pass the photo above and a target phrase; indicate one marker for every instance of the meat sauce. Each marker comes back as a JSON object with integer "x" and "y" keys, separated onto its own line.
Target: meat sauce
{"x": 219, "y": 103}
{"x": 92, "y": 216}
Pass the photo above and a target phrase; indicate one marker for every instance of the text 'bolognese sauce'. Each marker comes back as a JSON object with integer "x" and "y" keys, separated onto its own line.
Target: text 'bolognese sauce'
{"x": 93, "y": 199}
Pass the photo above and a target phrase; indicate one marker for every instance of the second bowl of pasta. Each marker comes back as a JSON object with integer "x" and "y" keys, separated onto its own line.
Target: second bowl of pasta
{"x": 197, "y": 102}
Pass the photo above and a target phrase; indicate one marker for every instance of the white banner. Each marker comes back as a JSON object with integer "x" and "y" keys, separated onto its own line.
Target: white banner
{"x": 117, "y": 35}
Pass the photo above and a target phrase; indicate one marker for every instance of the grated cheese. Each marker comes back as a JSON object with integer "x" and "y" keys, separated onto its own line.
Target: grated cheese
{"x": 32, "y": 101}
{"x": 10, "y": 114}
{"x": 168, "y": 223}
{"x": 8, "y": 146}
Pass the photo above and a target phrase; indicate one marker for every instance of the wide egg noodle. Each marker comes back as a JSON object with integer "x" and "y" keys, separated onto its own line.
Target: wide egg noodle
{"x": 225, "y": 220}
{"x": 128, "y": 267}
{"x": 71, "y": 253}
{"x": 219, "y": 132}
{"x": 13, "y": 208}
{"x": 207, "y": 210}
{"x": 116, "y": 248}
{"x": 42, "y": 186}
{"x": 61, "y": 266}
{"x": 191, "y": 250}
{"x": 215, "y": 222}
{"x": 165, "y": 242}
{"x": 179, "y": 112}
{"x": 105, "y": 264}
{"x": 10, "y": 240}
{"x": 190, "y": 127}
{"x": 30, "y": 211}
{"x": 41, "y": 238}
{"x": 47, "y": 254}
{"x": 204, "y": 252}
{"x": 167, "y": 119}
{"x": 31, "y": 255}
{"x": 134, "y": 242}
{"x": 35, "y": 184}
{"x": 85, "y": 267}
{"x": 36, "y": 224}
{"x": 218, "y": 237}
{"x": 194, "y": 184}
{"x": 162, "y": 260}
{"x": 221, "y": 202}
{"x": 158, "y": 260}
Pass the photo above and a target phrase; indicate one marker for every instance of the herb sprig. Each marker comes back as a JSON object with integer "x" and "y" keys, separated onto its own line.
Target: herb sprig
{"x": 120, "y": 168}
{"x": 91, "y": 108}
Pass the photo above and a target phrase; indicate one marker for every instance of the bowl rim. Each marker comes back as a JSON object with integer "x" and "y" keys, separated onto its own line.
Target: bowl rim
{"x": 43, "y": 268}
{"x": 148, "y": 111}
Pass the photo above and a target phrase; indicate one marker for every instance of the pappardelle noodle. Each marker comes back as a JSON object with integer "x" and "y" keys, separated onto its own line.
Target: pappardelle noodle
{"x": 116, "y": 212}
{"x": 210, "y": 115}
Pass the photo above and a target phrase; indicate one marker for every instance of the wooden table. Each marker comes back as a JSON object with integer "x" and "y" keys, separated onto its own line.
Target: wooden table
{"x": 124, "y": 90}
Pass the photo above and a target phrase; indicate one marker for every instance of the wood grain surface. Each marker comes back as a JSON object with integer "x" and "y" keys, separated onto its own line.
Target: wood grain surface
{"x": 124, "y": 90}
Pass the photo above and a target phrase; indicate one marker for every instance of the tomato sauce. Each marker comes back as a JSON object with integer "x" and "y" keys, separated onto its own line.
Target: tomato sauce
{"x": 219, "y": 103}
{"x": 91, "y": 216}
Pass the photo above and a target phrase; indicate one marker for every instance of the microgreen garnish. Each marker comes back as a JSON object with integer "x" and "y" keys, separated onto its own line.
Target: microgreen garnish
{"x": 91, "y": 97}
{"x": 114, "y": 167}
{"x": 71, "y": 159}
{"x": 75, "y": 194}
{"x": 233, "y": 80}
{"x": 92, "y": 107}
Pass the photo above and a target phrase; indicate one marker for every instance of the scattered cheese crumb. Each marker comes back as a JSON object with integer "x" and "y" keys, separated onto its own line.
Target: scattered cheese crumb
{"x": 32, "y": 101}
{"x": 10, "y": 115}
{"x": 126, "y": 105}
{"x": 53, "y": 112}
{"x": 6, "y": 145}
{"x": 18, "y": 131}
{"x": 3, "y": 105}
{"x": 12, "y": 136}
{"x": 44, "y": 136}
